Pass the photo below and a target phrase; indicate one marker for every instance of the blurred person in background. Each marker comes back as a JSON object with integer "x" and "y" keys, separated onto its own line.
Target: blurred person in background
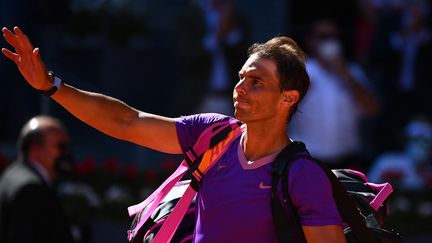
{"x": 413, "y": 44}
{"x": 339, "y": 97}
{"x": 225, "y": 37}
{"x": 410, "y": 168}
{"x": 30, "y": 210}
{"x": 399, "y": 64}
{"x": 213, "y": 39}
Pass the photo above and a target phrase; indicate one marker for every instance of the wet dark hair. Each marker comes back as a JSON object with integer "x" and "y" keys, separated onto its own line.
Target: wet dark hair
{"x": 290, "y": 63}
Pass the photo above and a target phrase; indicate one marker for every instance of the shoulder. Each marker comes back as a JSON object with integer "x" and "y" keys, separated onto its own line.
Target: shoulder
{"x": 20, "y": 172}
{"x": 305, "y": 165}
{"x": 189, "y": 128}
{"x": 196, "y": 124}
{"x": 201, "y": 119}
{"x": 312, "y": 194}
{"x": 17, "y": 177}
{"x": 307, "y": 179}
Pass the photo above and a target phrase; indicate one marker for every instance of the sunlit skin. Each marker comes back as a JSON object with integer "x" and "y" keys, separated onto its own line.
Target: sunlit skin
{"x": 257, "y": 94}
{"x": 258, "y": 102}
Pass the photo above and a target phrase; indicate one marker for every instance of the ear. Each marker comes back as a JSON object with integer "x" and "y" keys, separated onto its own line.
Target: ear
{"x": 290, "y": 97}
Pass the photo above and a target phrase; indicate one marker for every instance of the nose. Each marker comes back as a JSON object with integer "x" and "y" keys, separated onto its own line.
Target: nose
{"x": 240, "y": 87}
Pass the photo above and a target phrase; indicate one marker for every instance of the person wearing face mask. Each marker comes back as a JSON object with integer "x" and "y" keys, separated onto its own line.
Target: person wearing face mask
{"x": 29, "y": 208}
{"x": 339, "y": 97}
{"x": 410, "y": 168}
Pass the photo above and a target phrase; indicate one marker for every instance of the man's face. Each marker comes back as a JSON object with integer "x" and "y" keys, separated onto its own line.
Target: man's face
{"x": 55, "y": 144}
{"x": 257, "y": 94}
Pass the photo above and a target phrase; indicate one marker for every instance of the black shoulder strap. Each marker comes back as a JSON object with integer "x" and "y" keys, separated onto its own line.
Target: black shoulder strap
{"x": 345, "y": 204}
{"x": 287, "y": 229}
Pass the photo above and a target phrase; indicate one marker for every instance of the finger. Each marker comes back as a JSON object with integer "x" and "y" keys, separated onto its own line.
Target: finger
{"x": 23, "y": 39}
{"x": 10, "y": 37}
{"x": 37, "y": 60}
{"x": 19, "y": 32}
{"x": 36, "y": 56}
{"x": 13, "y": 56}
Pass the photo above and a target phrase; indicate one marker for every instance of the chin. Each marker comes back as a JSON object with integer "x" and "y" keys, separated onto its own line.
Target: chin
{"x": 241, "y": 116}
{"x": 238, "y": 115}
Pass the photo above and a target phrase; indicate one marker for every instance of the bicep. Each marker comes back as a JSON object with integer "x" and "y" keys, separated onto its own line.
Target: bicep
{"x": 154, "y": 132}
{"x": 324, "y": 234}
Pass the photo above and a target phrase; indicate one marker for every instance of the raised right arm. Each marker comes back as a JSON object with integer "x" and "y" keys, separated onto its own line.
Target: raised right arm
{"x": 109, "y": 115}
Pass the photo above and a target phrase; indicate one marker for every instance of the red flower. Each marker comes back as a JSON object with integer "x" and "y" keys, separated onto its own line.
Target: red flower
{"x": 170, "y": 164}
{"x": 151, "y": 176}
{"x": 392, "y": 175}
{"x": 111, "y": 166}
{"x": 86, "y": 166}
{"x": 131, "y": 171}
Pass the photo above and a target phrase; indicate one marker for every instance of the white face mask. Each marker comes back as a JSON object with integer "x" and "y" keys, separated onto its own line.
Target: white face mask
{"x": 329, "y": 49}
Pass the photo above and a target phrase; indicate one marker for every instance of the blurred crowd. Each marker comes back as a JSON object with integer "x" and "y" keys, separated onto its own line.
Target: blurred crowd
{"x": 348, "y": 119}
{"x": 368, "y": 106}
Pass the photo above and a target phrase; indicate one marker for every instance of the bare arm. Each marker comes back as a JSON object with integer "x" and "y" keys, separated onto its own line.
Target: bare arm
{"x": 109, "y": 115}
{"x": 324, "y": 234}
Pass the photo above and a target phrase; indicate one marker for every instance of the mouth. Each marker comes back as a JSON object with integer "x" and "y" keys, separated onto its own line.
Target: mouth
{"x": 240, "y": 103}
{"x": 237, "y": 98}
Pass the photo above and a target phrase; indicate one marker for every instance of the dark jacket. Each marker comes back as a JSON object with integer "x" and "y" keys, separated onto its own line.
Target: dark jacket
{"x": 30, "y": 211}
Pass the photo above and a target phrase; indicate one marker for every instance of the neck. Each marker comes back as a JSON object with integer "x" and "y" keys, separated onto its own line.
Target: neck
{"x": 261, "y": 139}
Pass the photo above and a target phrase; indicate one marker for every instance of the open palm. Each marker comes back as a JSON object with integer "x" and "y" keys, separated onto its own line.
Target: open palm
{"x": 27, "y": 59}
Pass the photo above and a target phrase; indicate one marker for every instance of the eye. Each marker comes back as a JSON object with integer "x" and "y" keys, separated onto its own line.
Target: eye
{"x": 256, "y": 82}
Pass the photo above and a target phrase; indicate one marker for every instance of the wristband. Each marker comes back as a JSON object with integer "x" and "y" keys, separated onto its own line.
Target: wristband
{"x": 57, "y": 81}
